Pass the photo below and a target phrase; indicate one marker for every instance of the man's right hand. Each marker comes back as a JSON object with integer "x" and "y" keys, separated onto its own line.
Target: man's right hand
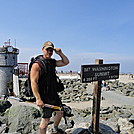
{"x": 40, "y": 103}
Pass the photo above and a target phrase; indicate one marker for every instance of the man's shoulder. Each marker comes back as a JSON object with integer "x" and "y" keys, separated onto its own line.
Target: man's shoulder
{"x": 35, "y": 65}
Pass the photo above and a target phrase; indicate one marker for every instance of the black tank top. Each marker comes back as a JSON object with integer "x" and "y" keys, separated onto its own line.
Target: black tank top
{"x": 47, "y": 83}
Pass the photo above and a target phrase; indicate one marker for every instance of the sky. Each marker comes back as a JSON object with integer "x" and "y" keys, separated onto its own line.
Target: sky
{"x": 85, "y": 30}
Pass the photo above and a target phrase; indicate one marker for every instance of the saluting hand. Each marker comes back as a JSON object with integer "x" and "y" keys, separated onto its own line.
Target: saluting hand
{"x": 57, "y": 50}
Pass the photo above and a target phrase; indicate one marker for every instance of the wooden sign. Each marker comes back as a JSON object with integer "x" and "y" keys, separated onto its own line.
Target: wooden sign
{"x": 98, "y": 72}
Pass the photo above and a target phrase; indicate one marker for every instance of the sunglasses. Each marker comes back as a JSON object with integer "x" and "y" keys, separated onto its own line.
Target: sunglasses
{"x": 50, "y": 49}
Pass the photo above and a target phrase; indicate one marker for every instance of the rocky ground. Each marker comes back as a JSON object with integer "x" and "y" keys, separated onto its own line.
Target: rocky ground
{"x": 116, "y": 114}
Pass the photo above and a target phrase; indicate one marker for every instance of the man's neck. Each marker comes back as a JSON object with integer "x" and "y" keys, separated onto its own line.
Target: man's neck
{"x": 46, "y": 57}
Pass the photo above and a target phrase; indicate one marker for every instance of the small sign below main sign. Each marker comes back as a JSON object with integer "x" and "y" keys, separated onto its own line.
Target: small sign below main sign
{"x": 99, "y": 72}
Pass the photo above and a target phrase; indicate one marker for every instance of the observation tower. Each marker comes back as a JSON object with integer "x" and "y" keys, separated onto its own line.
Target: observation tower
{"x": 8, "y": 60}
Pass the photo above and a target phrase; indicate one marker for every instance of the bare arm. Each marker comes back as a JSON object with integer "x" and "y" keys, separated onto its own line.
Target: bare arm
{"x": 34, "y": 75}
{"x": 64, "y": 60}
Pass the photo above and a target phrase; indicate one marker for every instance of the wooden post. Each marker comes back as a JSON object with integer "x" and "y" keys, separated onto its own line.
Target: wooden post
{"x": 96, "y": 103}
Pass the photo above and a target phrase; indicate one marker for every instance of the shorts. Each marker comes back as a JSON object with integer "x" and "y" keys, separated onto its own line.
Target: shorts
{"x": 47, "y": 112}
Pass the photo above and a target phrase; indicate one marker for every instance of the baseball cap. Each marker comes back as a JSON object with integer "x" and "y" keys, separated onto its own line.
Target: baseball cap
{"x": 48, "y": 44}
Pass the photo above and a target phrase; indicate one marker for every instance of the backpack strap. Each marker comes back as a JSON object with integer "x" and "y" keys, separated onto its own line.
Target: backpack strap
{"x": 42, "y": 62}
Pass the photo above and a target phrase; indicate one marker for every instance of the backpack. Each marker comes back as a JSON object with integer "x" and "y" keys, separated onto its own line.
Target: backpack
{"x": 42, "y": 63}
{"x": 59, "y": 85}
{"x": 27, "y": 85}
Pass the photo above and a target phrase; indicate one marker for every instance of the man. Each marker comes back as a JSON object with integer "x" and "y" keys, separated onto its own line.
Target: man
{"x": 43, "y": 87}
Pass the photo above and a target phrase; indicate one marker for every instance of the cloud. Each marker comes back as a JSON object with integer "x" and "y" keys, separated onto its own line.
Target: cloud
{"x": 77, "y": 59}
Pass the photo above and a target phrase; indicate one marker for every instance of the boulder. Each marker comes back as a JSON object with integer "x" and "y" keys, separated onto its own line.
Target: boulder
{"x": 3, "y": 129}
{"x": 126, "y": 89}
{"x": 20, "y": 118}
{"x": 81, "y": 131}
{"x": 13, "y": 133}
{"x": 104, "y": 129}
{"x": 3, "y": 120}
{"x": 4, "y": 105}
{"x": 125, "y": 124}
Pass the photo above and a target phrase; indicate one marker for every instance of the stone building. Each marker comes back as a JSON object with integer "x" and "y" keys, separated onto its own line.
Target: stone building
{"x": 8, "y": 60}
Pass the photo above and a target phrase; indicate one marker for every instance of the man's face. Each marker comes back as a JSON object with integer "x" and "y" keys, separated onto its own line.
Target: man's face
{"x": 48, "y": 52}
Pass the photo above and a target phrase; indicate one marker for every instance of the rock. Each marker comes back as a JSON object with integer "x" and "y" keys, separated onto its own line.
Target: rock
{"x": 105, "y": 110}
{"x": 131, "y": 131}
{"x": 3, "y": 120}
{"x": 35, "y": 125}
{"x": 20, "y": 118}
{"x": 104, "y": 129}
{"x": 124, "y": 124}
{"x": 75, "y": 91}
{"x": 131, "y": 93}
{"x": 3, "y": 129}
{"x": 111, "y": 122}
{"x": 81, "y": 131}
{"x": 126, "y": 89}
{"x": 131, "y": 119}
{"x": 4, "y": 104}
{"x": 14, "y": 133}
{"x": 82, "y": 118}
{"x": 65, "y": 127}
